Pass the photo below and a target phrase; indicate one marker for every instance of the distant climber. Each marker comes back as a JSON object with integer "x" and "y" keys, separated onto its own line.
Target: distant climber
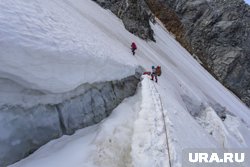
{"x": 153, "y": 74}
{"x": 133, "y": 48}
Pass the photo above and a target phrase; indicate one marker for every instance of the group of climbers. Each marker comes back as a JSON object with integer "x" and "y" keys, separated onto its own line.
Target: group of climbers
{"x": 156, "y": 71}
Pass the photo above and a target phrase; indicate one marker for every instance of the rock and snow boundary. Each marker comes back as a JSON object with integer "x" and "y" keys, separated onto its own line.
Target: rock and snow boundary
{"x": 53, "y": 46}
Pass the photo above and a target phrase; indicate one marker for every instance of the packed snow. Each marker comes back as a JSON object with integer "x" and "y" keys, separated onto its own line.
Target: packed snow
{"x": 53, "y": 46}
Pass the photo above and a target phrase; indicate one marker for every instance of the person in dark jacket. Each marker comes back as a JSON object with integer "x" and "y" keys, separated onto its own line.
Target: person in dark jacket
{"x": 153, "y": 74}
{"x": 133, "y": 48}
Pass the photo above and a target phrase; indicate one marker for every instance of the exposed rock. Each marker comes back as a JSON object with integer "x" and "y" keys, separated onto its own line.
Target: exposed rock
{"x": 170, "y": 20}
{"x": 219, "y": 33}
{"x": 135, "y": 15}
{"x": 23, "y": 130}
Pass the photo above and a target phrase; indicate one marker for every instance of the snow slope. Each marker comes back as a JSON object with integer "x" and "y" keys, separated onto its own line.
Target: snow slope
{"x": 68, "y": 43}
{"x": 52, "y": 46}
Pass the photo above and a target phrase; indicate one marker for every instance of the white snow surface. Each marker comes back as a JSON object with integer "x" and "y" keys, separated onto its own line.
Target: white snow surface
{"x": 54, "y": 46}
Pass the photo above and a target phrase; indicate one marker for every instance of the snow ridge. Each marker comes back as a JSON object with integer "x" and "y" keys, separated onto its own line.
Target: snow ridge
{"x": 149, "y": 143}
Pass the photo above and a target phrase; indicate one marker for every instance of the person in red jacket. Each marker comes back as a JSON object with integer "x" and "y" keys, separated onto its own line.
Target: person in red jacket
{"x": 133, "y": 47}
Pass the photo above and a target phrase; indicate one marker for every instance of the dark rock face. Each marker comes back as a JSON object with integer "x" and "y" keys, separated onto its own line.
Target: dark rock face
{"x": 135, "y": 15}
{"x": 23, "y": 130}
{"x": 219, "y": 33}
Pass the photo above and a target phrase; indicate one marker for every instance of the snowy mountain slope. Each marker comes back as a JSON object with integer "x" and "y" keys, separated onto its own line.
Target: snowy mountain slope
{"x": 48, "y": 45}
{"x": 85, "y": 37}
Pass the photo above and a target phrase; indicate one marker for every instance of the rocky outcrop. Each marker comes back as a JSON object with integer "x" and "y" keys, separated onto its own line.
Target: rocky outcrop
{"x": 23, "y": 130}
{"x": 135, "y": 15}
{"x": 219, "y": 33}
{"x": 170, "y": 20}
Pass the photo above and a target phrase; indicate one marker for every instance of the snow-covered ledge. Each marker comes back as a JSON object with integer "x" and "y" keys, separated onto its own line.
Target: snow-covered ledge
{"x": 25, "y": 128}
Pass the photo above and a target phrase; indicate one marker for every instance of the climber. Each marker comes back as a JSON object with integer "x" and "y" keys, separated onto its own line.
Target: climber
{"x": 153, "y": 74}
{"x": 133, "y": 48}
{"x": 158, "y": 71}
